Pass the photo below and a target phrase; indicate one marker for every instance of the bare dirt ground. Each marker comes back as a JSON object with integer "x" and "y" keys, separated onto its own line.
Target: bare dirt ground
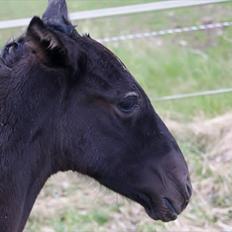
{"x": 72, "y": 203}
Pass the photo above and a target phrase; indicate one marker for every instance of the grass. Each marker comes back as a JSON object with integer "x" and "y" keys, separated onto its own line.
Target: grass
{"x": 184, "y": 71}
{"x": 167, "y": 65}
{"x": 163, "y": 66}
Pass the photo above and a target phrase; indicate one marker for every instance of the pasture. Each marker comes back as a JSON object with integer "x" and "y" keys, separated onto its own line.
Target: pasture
{"x": 167, "y": 65}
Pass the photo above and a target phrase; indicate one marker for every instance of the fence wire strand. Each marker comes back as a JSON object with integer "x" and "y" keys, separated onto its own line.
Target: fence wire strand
{"x": 143, "y": 35}
{"x": 191, "y": 95}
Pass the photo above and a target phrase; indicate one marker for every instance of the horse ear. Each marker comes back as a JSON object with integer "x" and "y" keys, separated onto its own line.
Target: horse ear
{"x": 45, "y": 43}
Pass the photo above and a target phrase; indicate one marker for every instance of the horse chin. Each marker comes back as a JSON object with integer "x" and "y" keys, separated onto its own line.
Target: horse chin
{"x": 159, "y": 210}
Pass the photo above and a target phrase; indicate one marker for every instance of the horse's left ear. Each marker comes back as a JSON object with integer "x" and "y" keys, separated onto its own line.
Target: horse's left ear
{"x": 45, "y": 44}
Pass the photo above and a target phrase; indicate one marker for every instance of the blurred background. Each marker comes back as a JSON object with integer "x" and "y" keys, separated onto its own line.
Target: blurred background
{"x": 187, "y": 73}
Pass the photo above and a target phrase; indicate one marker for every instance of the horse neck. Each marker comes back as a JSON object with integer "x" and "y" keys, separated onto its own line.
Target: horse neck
{"x": 28, "y": 149}
{"x": 23, "y": 174}
{"x": 26, "y": 162}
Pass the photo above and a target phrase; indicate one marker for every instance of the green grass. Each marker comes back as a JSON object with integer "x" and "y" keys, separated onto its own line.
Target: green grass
{"x": 71, "y": 220}
{"x": 172, "y": 70}
{"x": 161, "y": 65}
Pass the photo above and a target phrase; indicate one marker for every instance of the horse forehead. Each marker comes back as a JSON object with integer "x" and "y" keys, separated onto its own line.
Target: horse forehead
{"x": 107, "y": 63}
{"x": 106, "y": 71}
{"x": 100, "y": 53}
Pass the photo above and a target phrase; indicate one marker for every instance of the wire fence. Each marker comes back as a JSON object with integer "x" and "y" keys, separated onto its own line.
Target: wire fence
{"x": 141, "y": 8}
{"x": 169, "y": 32}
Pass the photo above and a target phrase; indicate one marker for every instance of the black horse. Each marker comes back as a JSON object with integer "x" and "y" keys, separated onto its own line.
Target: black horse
{"x": 68, "y": 103}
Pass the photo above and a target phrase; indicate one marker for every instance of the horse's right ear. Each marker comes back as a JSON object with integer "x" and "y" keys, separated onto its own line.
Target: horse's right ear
{"x": 45, "y": 44}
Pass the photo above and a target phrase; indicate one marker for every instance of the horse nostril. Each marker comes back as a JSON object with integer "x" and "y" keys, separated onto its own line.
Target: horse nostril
{"x": 188, "y": 193}
{"x": 188, "y": 190}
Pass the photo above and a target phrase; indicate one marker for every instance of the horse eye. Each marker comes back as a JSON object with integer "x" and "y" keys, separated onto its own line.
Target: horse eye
{"x": 128, "y": 103}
